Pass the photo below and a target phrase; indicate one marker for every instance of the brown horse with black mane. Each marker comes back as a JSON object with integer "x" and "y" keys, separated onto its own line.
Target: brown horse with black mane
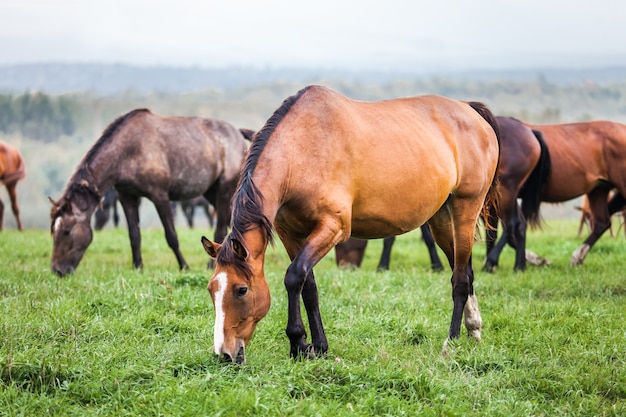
{"x": 142, "y": 154}
{"x": 585, "y": 158}
{"x": 325, "y": 167}
{"x": 12, "y": 170}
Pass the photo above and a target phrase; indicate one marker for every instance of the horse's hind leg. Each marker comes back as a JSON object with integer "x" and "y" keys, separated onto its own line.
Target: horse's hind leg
{"x": 427, "y": 237}
{"x": 455, "y": 236}
{"x": 167, "y": 219}
{"x": 385, "y": 256}
{"x": 14, "y": 206}
{"x": 598, "y": 207}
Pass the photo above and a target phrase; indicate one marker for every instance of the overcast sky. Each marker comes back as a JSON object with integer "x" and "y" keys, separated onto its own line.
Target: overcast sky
{"x": 367, "y": 34}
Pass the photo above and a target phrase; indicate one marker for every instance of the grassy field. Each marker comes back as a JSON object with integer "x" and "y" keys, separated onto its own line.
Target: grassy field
{"x": 110, "y": 340}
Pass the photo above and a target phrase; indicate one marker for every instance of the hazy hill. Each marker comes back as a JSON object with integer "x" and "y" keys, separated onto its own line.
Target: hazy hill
{"x": 116, "y": 78}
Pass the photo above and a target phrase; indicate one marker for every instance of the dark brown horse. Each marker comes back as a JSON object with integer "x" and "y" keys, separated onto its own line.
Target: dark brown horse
{"x": 324, "y": 168}
{"x": 585, "y": 158}
{"x": 145, "y": 155}
{"x": 351, "y": 252}
{"x": 12, "y": 170}
{"x": 523, "y": 171}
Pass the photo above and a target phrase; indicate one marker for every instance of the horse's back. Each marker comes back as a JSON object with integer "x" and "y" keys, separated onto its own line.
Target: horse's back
{"x": 404, "y": 156}
{"x": 192, "y": 152}
{"x": 582, "y": 155}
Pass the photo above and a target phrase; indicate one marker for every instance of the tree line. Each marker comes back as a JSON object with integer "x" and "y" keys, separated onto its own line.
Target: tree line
{"x": 37, "y": 116}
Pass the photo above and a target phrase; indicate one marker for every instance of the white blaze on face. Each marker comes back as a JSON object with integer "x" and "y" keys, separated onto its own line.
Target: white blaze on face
{"x": 218, "y": 330}
{"x": 57, "y": 224}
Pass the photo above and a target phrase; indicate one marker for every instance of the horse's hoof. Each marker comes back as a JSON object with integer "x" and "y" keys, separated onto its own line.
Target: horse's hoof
{"x": 489, "y": 268}
{"x": 578, "y": 257}
{"x": 474, "y": 334}
{"x": 534, "y": 259}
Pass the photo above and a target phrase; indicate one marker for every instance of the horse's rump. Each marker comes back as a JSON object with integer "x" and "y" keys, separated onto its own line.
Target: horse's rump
{"x": 12, "y": 164}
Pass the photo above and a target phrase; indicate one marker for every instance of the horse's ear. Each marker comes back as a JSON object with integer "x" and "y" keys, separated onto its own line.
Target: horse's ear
{"x": 239, "y": 250}
{"x": 210, "y": 247}
{"x": 67, "y": 206}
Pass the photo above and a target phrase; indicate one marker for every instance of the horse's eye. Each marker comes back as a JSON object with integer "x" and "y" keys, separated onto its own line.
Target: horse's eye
{"x": 242, "y": 291}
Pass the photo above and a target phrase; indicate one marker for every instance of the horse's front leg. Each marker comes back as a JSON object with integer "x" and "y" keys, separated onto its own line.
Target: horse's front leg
{"x": 300, "y": 282}
{"x": 14, "y": 205}
{"x": 130, "y": 205}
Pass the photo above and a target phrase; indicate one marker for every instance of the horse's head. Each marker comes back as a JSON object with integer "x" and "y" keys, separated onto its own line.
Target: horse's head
{"x": 240, "y": 295}
{"x": 70, "y": 227}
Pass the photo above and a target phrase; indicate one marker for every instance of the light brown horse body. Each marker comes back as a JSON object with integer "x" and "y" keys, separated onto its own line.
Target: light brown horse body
{"x": 12, "y": 170}
{"x": 585, "y": 158}
{"x": 326, "y": 167}
{"x": 142, "y": 154}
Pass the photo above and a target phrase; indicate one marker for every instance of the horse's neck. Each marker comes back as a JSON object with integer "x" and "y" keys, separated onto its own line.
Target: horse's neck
{"x": 256, "y": 244}
{"x": 103, "y": 165}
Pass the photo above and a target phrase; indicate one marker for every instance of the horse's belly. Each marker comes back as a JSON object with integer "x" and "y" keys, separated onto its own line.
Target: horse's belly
{"x": 393, "y": 216}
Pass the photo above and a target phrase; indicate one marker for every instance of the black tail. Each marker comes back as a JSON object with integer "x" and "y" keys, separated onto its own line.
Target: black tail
{"x": 493, "y": 196}
{"x": 533, "y": 187}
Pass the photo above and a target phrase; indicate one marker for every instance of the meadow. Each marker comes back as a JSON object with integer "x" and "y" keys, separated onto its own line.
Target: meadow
{"x": 110, "y": 340}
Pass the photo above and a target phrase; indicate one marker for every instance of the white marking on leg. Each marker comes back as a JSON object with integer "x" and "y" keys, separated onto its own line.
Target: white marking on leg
{"x": 218, "y": 329}
{"x": 578, "y": 257}
{"x": 473, "y": 321}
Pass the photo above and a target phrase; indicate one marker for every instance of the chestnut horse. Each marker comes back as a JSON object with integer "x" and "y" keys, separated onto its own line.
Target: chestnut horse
{"x": 585, "y": 158}
{"x": 324, "y": 168}
{"x": 350, "y": 253}
{"x": 142, "y": 154}
{"x": 12, "y": 170}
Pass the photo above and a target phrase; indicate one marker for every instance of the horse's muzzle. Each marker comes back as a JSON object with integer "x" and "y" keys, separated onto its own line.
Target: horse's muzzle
{"x": 63, "y": 270}
{"x": 239, "y": 359}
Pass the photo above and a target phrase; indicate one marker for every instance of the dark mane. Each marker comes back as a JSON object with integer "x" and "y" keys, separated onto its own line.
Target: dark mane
{"x": 82, "y": 177}
{"x": 247, "y": 202}
{"x": 108, "y": 132}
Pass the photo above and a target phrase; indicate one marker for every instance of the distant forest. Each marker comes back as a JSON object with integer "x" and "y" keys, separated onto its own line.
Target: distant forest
{"x": 54, "y": 112}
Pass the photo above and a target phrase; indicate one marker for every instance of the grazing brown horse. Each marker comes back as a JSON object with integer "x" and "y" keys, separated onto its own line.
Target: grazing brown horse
{"x": 324, "y": 168}
{"x": 142, "y": 154}
{"x": 585, "y": 158}
{"x": 12, "y": 170}
{"x": 350, "y": 253}
{"x": 523, "y": 170}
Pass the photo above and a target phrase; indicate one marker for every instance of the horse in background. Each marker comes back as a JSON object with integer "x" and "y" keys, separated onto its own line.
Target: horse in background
{"x": 189, "y": 209}
{"x": 103, "y": 212}
{"x": 523, "y": 170}
{"x": 351, "y": 252}
{"x": 585, "y": 158}
{"x": 586, "y": 217}
{"x": 142, "y": 154}
{"x": 325, "y": 168}
{"x": 12, "y": 170}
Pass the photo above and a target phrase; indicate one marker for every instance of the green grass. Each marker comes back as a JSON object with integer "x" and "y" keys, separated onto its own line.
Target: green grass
{"x": 110, "y": 340}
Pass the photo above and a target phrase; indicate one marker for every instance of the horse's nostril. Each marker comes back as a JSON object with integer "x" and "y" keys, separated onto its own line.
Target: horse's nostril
{"x": 226, "y": 358}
